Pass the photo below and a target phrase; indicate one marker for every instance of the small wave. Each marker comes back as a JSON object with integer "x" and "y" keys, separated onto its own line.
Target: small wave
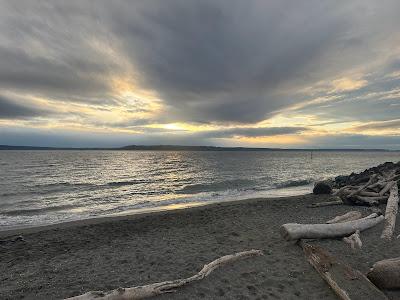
{"x": 294, "y": 183}
{"x": 122, "y": 183}
{"x": 216, "y": 186}
{"x": 35, "y": 211}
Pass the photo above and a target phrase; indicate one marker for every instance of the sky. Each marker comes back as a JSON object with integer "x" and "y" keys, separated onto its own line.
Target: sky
{"x": 255, "y": 73}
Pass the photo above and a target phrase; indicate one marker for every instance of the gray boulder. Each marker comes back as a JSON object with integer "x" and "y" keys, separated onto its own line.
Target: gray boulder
{"x": 323, "y": 188}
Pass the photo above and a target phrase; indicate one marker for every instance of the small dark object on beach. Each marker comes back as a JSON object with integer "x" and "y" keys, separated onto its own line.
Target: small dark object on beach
{"x": 322, "y": 187}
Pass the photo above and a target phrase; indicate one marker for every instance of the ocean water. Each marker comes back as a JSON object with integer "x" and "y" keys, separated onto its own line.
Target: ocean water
{"x": 45, "y": 187}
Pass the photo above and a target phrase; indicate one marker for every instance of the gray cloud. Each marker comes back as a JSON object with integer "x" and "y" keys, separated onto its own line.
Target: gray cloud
{"x": 376, "y": 101}
{"x": 356, "y": 141}
{"x": 228, "y": 61}
{"x": 210, "y": 61}
{"x": 9, "y": 109}
{"x": 251, "y": 132}
{"x": 388, "y": 124}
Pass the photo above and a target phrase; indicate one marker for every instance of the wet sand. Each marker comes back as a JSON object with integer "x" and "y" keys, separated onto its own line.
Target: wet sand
{"x": 59, "y": 261}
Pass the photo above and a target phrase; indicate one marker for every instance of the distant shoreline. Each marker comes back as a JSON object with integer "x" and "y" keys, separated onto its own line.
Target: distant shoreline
{"x": 189, "y": 148}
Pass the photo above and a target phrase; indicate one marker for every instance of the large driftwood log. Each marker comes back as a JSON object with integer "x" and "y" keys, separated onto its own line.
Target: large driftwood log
{"x": 391, "y": 213}
{"x": 150, "y": 290}
{"x": 349, "y": 216}
{"x": 385, "y": 274}
{"x": 294, "y": 231}
{"x": 346, "y": 282}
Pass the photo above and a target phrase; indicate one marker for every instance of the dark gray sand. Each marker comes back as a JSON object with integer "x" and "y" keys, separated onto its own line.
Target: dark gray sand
{"x": 66, "y": 260}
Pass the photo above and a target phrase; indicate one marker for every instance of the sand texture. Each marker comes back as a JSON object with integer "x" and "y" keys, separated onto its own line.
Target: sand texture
{"x": 69, "y": 259}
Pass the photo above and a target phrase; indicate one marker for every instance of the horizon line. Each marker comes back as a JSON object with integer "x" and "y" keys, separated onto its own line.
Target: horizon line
{"x": 169, "y": 147}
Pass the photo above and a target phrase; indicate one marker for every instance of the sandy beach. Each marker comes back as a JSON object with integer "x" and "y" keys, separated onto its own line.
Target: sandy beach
{"x": 65, "y": 260}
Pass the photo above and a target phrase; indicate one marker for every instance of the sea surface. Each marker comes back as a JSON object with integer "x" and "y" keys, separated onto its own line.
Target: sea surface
{"x": 46, "y": 187}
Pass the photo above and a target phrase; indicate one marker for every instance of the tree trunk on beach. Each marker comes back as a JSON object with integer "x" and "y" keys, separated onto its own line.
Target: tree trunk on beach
{"x": 294, "y": 231}
{"x": 391, "y": 213}
{"x": 385, "y": 274}
{"x": 347, "y": 283}
{"x": 150, "y": 290}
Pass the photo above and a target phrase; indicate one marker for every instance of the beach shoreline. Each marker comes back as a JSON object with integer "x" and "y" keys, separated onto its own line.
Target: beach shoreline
{"x": 134, "y": 214}
{"x": 68, "y": 259}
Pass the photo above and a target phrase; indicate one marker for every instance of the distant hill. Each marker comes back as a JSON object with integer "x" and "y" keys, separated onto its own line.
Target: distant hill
{"x": 181, "y": 148}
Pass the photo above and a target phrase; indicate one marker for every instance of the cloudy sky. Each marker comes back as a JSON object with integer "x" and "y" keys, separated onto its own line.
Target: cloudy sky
{"x": 295, "y": 74}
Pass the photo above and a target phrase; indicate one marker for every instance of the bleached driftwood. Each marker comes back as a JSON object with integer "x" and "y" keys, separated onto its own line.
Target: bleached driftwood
{"x": 387, "y": 187}
{"x": 370, "y": 200}
{"x": 391, "y": 213}
{"x": 346, "y": 282}
{"x": 369, "y": 194}
{"x": 327, "y": 203}
{"x": 150, "y": 290}
{"x": 350, "y": 216}
{"x": 385, "y": 274}
{"x": 354, "y": 240}
{"x": 294, "y": 231}
{"x": 371, "y": 180}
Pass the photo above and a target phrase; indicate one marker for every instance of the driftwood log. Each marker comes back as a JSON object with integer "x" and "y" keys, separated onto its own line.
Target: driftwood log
{"x": 371, "y": 181}
{"x": 391, "y": 213}
{"x": 150, "y": 290}
{"x": 350, "y": 216}
{"x": 385, "y": 274}
{"x": 346, "y": 282}
{"x": 326, "y": 203}
{"x": 370, "y": 187}
{"x": 294, "y": 231}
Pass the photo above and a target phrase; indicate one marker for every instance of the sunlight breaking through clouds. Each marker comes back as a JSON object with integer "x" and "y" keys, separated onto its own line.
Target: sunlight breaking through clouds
{"x": 250, "y": 73}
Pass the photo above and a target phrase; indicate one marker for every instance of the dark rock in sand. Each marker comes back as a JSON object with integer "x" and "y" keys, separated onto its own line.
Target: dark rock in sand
{"x": 341, "y": 180}
{"x": 322, "y": 187}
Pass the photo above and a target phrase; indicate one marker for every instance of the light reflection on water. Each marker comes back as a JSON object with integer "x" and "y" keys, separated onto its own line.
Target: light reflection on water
{"x": 43, "y": 187}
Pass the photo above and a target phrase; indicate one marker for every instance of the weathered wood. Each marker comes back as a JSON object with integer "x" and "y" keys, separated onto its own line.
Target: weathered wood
{"x": 387, "y": 188}
{"x": 150, "y": 290}
{"x": 349, "y": 216}
{"x": 369, "y": 194}
{"x": 385, "y": 274}
{"x": 391, "y": 213}
{"x": 327, "y": 203}
{"x": 354, "y": 240}
{"x": 370, "y": 201}
{"x": 294, "y": 231}
{"x": 346, "y": 282}
{"x": 371, "y": 180}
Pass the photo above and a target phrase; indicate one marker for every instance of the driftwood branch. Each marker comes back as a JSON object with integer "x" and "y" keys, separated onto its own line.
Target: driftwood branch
{"x": 350, "y": 216}
{"x": 346, "y": 282}
{"x": 387, "y": 187}
{"x": 327, "y": 203}
{"x": 150, "y": 290}
{"x": 391, "y": 213}
{"x": 371, "y": 180}
{"x": 385, "y": 274}
{"x": 294, "y": 231}
{"x": 354, "y": 240}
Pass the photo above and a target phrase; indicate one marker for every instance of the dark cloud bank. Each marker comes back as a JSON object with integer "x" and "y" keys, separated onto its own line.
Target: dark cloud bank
{"x": 210, "y": 61}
